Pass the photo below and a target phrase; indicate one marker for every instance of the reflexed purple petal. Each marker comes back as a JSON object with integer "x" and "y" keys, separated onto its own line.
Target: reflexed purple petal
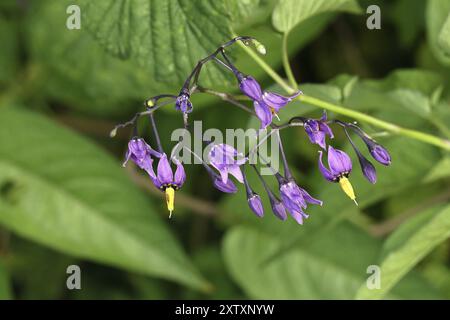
{"x": 325, "y": 172}
{"x": 380, "y": 154}
{"x": 338, "y": 161}
{"x": 279, "y": 210}
{"x": 236, "y": 172}
{"x": 326, "y": 129}
{"x": 256, "y": 205}
{"x": 251, "y": 88}
{"x": 228, "y": 187}
{"x": 180, "y": 174}
{"x": 277, "y": 101}
{"x": 298, "y": 216}
{"x": 309, "y": 199}
{"x": 292, "y": 197}
{"x": 224, "y": 174}
{"x": 317, "y": 131}
{"x": 164, "y": 171}
{"x": 263, "y": 113}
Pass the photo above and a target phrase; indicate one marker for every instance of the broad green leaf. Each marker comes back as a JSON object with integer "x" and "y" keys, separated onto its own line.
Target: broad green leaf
{"x": 64, "y": 192}
{"x": 408, "y": 17}
{"x": 5, "y": 288}
{"x": 437, "y": 14}
{"x": 77, "y": 71}
{"x": 444, "y": 36}
{"x": 289, "y": 13}
{"x": 439, "y": 171}
{"x": 328, "y": 267}
{"x": 409, "y": 245}
{"x": 167, "y": 38}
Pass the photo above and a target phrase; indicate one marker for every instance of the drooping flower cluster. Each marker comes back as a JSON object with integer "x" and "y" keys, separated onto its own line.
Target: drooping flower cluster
{"x": 226, "y": 166}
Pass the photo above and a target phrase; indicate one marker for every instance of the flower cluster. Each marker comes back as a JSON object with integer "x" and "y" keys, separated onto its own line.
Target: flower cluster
{"x": 226, "y": 166}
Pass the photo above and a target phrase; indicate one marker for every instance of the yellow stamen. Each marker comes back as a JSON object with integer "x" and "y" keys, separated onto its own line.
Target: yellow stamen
{"x": 150, "y": 103}
{"x": 347, "y": 188}
{"x": 170, "y": 199}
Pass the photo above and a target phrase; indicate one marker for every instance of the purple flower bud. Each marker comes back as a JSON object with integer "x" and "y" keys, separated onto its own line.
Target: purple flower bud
{"x": 183, "y": 103}
{"x": 279, "y": 210}
{"x": 379, "y": 153}
{"x": 256, "y": 205}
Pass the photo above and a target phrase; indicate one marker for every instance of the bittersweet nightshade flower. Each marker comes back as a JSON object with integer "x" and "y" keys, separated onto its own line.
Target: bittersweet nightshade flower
{"x": 295, "y": 199}
{"x": 167, "y": 181}
{"x": 340, "y": 166}
{"x": 141, "y": 154}
{"x": 318, "y": 129}
{"x": 266, "y": 103}
{"x": 227, "y": 160}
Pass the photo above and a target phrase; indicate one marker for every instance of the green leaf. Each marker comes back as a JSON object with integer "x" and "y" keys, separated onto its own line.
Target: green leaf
{"x": 444, "y": 36}
{"x": 328, "y": 267}
{"x": 289, "y": 13}
{"x": 77, "y": 71}
{"x": 8, "y": 54}
{"x": 64, "y": 192}
{"x": 409, "y": 245}
{"x": 166, "y": 37}
{"x": 440, "y": 170}
{"x": 5, "y": 289}
{"x": 437, "y": 20}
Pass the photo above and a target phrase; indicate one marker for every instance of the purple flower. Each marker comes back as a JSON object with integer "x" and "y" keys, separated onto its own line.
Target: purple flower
{"x": 266, "y": 103}
{"x": 141, "y": 154}
{"x": 317, "y": 130}
{"x": 227, "y": 160}
{"x": 254, "y": 202}
{"x": 183, "y": 103}
{"x": 167, "y": 181}
{"x": 340, "y": 166}
{"x": 295, "y": 200}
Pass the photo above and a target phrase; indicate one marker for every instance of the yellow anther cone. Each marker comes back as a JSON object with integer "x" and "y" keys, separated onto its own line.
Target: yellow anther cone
{"x": 170, "y": 200}
{"x": 348, "y": 189}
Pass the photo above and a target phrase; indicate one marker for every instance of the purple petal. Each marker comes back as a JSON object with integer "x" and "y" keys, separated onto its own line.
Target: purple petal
{"x": 180, "y": 174}
{"x": 256, "y": 205}
{"x": 309, "y": 199}
{"x": 236, "y": 172}
{"x": 263, "y": 113}
{"x": 164, "y": 171}
{"x": 338, "y": 161}
{"x": 323, "y": 127}
{"x": 298, "y": 216}
{"x": 277, "y": 101}
{"x": 325, "y": 172}
{"x": 228, "y": 187}
{"x": 251, "y": 88}
{"x": 183, "y": 103}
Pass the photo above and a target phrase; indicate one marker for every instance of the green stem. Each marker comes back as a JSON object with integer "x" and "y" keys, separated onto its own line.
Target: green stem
{"x": 286, "y": 65}
{"x": 417, "y": 135}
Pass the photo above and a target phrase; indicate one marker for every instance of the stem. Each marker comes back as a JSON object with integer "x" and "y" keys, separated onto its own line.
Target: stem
{"x": 286, "y": 65}
{"x": 417, "y": 135}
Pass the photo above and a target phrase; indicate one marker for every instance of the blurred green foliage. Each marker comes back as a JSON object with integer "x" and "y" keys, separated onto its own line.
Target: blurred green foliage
{"x": 65, "y": 199}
